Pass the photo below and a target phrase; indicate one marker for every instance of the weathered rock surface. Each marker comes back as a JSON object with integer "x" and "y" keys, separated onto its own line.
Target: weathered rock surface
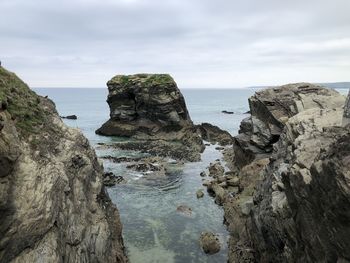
{"x": 53, "y": 206}
{"x": 150, "y": 107}
{"x": 270, "y": 110}
{"x": 300, "y": 211}
{"x": 346, "y": 114}
{"x": 292, "y": 160}
{"x": 214, "y": 134}
{"x": 210, "y": 243}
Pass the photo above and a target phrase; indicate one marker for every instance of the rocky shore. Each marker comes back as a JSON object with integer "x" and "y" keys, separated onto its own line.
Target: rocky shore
{"x": 150, "y": 109}
{"x": 290, "y": 165}
{"x": 53, "y": 205}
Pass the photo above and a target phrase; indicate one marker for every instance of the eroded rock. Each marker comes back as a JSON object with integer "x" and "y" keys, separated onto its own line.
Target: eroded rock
{"x": 150, "y": 108}
{"x": 53, "y": 204}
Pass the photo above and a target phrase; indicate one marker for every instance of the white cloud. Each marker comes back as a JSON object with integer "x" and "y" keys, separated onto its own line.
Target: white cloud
{"x": 203, "y": 43}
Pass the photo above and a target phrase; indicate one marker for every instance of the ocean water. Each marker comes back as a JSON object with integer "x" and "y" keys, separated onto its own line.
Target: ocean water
{"x": 153, "y": 230}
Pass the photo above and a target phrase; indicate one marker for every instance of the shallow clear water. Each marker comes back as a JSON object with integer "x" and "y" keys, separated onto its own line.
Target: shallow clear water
{"x": 153, "y": 230}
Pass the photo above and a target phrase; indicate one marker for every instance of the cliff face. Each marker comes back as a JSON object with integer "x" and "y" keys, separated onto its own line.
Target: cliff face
{"x": 150, "y": 107}
{"x": 292, "y": 159}
{"x": 53, "y": 206}
{"x": 300, "y": 208}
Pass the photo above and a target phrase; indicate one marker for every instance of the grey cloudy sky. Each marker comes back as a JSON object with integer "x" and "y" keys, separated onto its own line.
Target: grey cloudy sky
{"x": 202, "y": 43}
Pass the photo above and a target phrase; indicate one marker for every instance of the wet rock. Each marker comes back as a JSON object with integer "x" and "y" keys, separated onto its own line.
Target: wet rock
{"x": 184, "y": 210}
{"x": 110, "y": 179}
{"x": 200, "y": 193}
{"x": 214, "y": 134}
{"x": 70, "y": 117}
{"x": 210, "y": 243}
{"x": 227, "y": 112}
{"x": 151, "y": 108}
{"x": 218, "y": 192}
{"x": 219, "y": 148}
{"x": 122, "y": 159}
{"x": 203, "y": 174}
{"x": 206, "y": 183}
{"x": 216, "y": 170}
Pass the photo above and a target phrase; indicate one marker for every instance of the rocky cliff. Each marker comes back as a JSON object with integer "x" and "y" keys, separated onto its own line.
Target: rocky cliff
{"x": 292, "y": 162}
{"x": 151, "y": 109}
{"x": 53, "y": 207}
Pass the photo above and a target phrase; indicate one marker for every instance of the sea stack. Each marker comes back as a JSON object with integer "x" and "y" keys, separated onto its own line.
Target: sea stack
{"x": 150, "y": 107}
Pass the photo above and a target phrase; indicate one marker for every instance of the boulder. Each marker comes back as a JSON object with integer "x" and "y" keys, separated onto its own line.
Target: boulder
{"x": 199, "y": 193}
{"x": 150, "y": 107}
{"x": 210, "y": 243}
{"x": 216, "y": 170}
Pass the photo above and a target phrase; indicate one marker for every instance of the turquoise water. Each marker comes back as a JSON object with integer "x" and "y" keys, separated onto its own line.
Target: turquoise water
{"x": 152, "y": 228}
{"x": 153, "y": 231}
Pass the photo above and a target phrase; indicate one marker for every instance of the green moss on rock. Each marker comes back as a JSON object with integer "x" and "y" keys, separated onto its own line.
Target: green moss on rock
{"x": 21, "y": 102}
{"x": 147, "y": 80}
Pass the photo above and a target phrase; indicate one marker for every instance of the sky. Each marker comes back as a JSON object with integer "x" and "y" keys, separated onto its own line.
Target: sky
{"x": 201, "y": 43}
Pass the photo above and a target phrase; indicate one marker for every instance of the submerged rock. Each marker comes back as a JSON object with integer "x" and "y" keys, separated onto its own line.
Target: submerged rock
{"x": 150, "y": 107}
{"x": 210, "y": 243}
{"x": 199, "y": 193}
{"x": 110, "y": 179}
{"x": 53, "y": 204}
{"x": 184, "y": 210}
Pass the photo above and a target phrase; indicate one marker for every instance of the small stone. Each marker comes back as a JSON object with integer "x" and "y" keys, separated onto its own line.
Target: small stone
{"x": 200, "y": 193}
{"x": 210, "y": 243}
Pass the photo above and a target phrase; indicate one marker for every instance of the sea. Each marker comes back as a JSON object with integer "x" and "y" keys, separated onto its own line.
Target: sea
{"x": 153, "y": 230}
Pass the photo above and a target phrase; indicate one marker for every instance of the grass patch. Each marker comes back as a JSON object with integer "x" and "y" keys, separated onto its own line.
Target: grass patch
{"x": 147, "y": 80}
{"x": 22, "y": 103}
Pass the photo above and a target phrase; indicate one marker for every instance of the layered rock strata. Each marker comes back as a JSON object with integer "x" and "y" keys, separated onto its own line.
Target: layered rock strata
{"x": 151, "y": 108}
{"x": 291, "y": 160}
{"x": 53, "y": 206}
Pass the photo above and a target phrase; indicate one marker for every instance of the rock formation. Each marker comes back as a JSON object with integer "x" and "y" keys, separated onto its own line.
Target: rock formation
{"x": 346, "y": 114}
{"x": 292, "y": 162}
{"x": 150, "y": 107}
{"x": 53, "y": 206}
{"x": 214, "y": 134}
{"x": 270, "y": 110}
